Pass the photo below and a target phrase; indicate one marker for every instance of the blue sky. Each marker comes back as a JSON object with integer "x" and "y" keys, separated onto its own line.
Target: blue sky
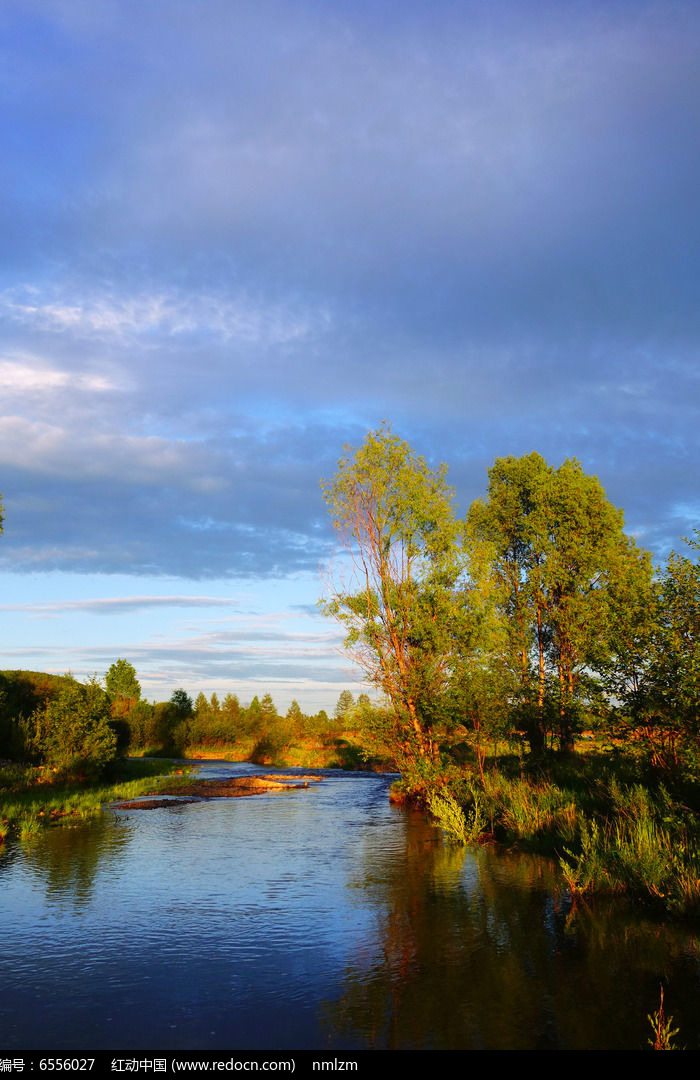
{"x": 237, "y": 235}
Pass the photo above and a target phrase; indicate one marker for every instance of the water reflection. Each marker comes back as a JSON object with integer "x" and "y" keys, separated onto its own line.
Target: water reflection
{"x": 474, "y": 950}
{"x": 316, "y": 920}
{"x": 66, "y": 859}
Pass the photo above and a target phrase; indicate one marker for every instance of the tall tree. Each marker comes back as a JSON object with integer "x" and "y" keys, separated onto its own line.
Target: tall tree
{"x": 232, "y": 716}
{"x": 679, "y": 660}
{"x": 560, "y": 558}
{"x": 343, "y": 705}
{"x": 121, "y": 683}
{"x": 396, "y": 520}
{"x": 665, "y": 704}
{"x": 503, "y": 531}
{"x": 182, "y": 703}
{"x": 295, "y": 717}
{"x": 201, "y": 705}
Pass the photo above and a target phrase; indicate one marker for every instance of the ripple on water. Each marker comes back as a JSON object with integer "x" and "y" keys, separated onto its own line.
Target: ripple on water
{"x": 318, "y": 919}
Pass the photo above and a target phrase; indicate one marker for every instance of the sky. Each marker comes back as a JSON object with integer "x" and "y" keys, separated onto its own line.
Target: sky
{"x": 238, "y": 234}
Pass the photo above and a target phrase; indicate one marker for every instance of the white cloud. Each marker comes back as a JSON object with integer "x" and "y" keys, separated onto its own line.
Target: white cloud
{"x": 54, "y": 450}
{"x": 22, "y": 373}
{"x": 108, "y": 315}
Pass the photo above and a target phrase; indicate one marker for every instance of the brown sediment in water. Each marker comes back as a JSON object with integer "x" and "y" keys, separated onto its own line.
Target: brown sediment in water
{"x": 233, "y": 788}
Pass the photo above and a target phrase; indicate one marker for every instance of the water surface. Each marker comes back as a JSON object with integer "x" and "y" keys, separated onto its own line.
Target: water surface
{"x": 321, "y": 919}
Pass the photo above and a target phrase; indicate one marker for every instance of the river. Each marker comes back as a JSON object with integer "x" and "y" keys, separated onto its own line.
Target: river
{"x": 316, "y": 920}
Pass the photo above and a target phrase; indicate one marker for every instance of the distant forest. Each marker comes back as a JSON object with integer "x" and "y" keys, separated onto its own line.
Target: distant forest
{"x": 74, "y": 727}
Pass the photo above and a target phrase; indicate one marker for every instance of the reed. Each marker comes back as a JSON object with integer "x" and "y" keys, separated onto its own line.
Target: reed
{"x": 662, "y": 1028}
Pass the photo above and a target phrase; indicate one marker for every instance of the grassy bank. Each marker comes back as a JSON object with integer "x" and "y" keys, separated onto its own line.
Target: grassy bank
{"x": 304, "y": 753}
{"x": 32, "y": 798}
{"x": 614, "y": 831}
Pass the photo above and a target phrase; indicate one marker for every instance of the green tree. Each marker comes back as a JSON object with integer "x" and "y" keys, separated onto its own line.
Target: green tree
{"x": 274, "y": 734}
{"x": 484, "y": 682}
{"x": 319, "y": 723}
{"x": 201, "y": 706}
{"x": 665, "y": 698}
{"x": 295, "y": 718}
{"x": 507, "y": 558}
{"x": 139, "y": 720}
{"x": 122, "y": 686}
{"x": 678, "y": 658}
{"x": 559, "y": 558}
{"x": 73, "y": 733}
{"x": 344, "y": 704}
{"x": 182, "y": 703}
{"x": 395, "y": 517}
{"x": 253, "y": 717}
{"x": 268, "y": 711}
{"x": 232, "y": 717}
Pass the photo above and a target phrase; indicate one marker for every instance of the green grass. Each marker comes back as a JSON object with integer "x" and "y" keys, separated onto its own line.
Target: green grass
{"x": 31, "y": 798}
{"x": 615, "y": 829}
{"x": 641, "y": 848}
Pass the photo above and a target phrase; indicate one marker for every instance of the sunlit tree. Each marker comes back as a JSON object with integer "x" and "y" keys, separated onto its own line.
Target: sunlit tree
{"x": 395, "y": 517}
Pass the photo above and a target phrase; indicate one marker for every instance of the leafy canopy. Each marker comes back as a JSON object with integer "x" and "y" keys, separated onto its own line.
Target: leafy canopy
{"x": 395, "y": 517}
{"x": 72, "y": 733}
{"x": 121, "y": 681}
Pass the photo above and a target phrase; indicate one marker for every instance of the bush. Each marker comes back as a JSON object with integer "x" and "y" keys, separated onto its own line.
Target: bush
{"x": 452, "y": 819}
{"x": 72, "y": 733}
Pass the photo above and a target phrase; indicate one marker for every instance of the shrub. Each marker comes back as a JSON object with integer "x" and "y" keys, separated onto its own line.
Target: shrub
{"x": 72, "y": 733}
{"x": 449, "y": 815}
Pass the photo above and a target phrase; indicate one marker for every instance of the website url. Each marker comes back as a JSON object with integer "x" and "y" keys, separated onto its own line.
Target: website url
{"x": 232, "y": 1065}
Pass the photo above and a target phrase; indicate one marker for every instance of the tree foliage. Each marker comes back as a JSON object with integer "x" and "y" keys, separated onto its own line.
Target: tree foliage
{"x": 344, "y": 704}
{"x": 182, "y": 703}
{"x": 559, "y": 560}
{"x": 537, "y": 615}
{"x": 663, "y": 699}
{"x": 72, "y": 732}
{"x": 395, "y": 517}
{"x": 122, "y": 686}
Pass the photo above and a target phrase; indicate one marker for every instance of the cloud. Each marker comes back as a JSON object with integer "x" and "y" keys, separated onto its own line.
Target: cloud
{"x": 56, "y": 450}
{"x": 25, "y": 374}
{"x": 287, "y": 223}
{"x": 115, "y": 605}
{"x": 236, "y": 237}
{"x": 118, "y": 316}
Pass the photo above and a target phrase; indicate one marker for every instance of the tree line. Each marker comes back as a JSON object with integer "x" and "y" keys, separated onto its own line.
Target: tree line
{"x": 535, "y": 618}
{"x": 77, "y": 728}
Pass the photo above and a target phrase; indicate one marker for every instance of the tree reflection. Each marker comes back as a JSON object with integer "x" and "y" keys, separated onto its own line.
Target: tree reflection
{"x": 66, "y": 858}
{"x": 473, "y": 949}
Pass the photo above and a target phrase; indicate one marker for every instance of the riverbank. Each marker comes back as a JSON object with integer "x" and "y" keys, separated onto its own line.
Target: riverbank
{"x": 32, "y": 798}
{"x": 346, "y": 753}
{"x": 614, "y": 829}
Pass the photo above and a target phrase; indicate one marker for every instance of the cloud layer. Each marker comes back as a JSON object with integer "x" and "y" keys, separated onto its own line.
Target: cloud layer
{"x": 237, "y": 236}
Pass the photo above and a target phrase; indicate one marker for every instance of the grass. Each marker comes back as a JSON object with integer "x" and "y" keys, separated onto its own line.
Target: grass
{"x": 612, "y": 832}
{"x": 635, "y": 850}
{"x": 662, "y": 1029}
{"x": 305, "y": 753}
{"x": 32, "y": 798}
